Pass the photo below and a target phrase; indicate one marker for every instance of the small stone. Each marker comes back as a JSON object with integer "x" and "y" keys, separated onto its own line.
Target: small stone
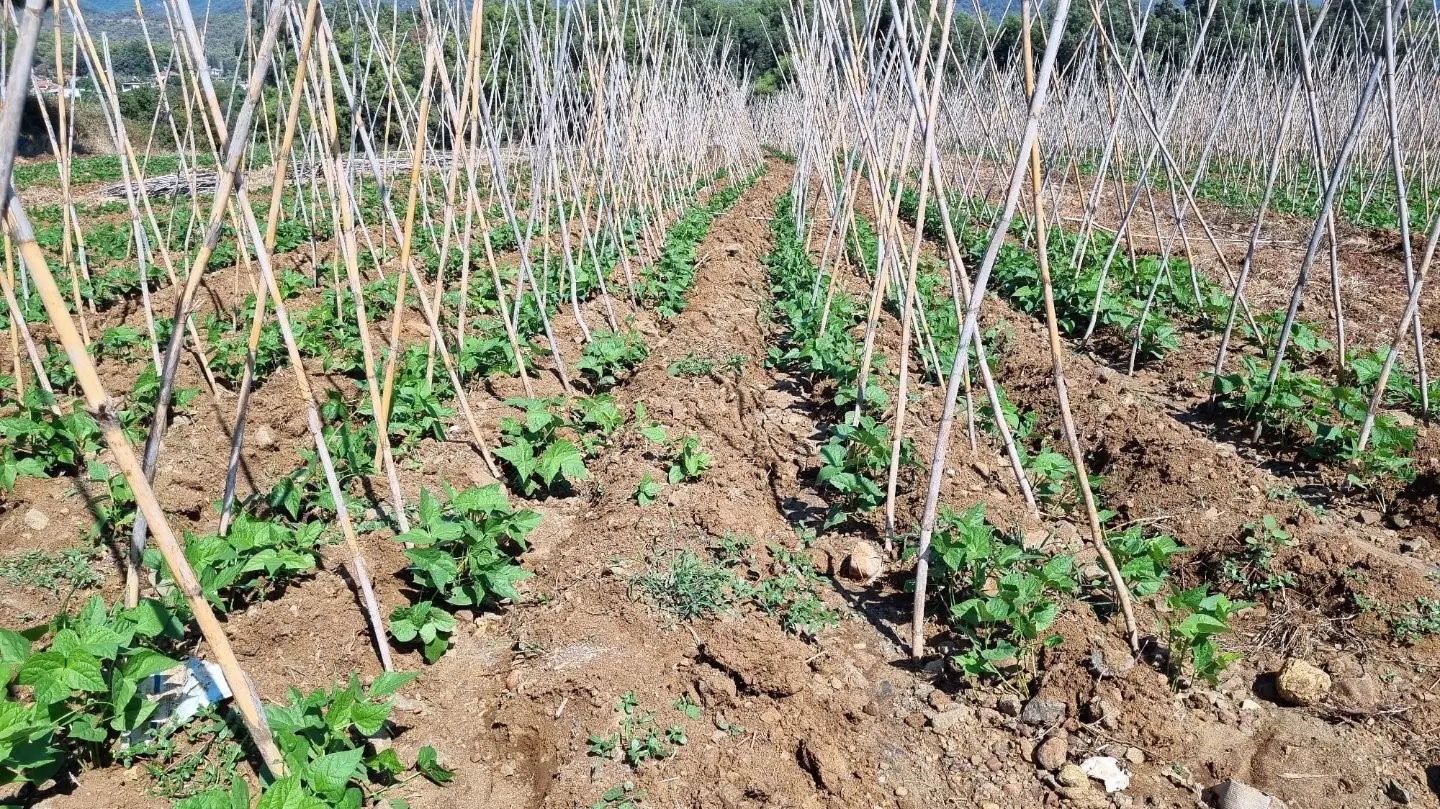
{"x": 1300, "y": 683}
{"x": 1180, "y": 776}
{"x": 36, "y": 520}
{"x": 263, "y": 438}
{"x": 1045, "y": 712}
{"x": 1399, "y": 521}
{"x": 1396, "y": 791}
{"x": 864, "y": 562}
{"x": 1072, "y": 776}
{"x": 1368, "y": 516}
{"x": 956, "y": 717}
{"x": 1008, "y": 704}
{"x": 1134, "y": 755}
{"x": 1052, "y": 753}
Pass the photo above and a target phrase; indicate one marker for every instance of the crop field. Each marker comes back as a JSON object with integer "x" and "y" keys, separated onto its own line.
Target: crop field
{"x": 591, "y": 404}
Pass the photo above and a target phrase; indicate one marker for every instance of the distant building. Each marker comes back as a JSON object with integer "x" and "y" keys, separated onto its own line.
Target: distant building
{"x": 47, "y": 87}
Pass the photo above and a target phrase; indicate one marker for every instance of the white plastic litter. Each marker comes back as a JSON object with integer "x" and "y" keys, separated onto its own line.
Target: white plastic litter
{"x": 1107, "y": 770}
{"x": 182, "y": 692}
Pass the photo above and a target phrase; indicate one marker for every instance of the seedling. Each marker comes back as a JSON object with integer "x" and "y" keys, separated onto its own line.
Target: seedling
{"x": 425, "y": 622}
{"x": 534, "y": 450}
{"x": 647, "y": 491}
{"x": 464, "y": 555}
{"x": 251, "y": 563}
{"x": 689, "y": 463}
{"x": 610, "y": 354}
{"x": 1197, "y": 619}
{"x": 853, "y": 466}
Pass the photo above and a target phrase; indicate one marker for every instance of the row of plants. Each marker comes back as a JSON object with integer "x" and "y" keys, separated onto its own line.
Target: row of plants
{"x": 1320, "y": 417}
{"x": 1364, "y": 201}
{"x": 1115, "y": 297}
{"x": 663, "y": 285}
{"x": 1003, "y": 600}
{"x": 856, "y": 457}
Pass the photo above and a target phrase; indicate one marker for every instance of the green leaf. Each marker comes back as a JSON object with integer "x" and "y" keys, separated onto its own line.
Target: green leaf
{"x": 428, "y": 763}
{"x": 14, "y": 648}
{"x": 143, "y": 663}
{"x": 289, "y": 793}
{"x": 330, "y": 774}
{"x": 561, "y": 458}
{"x": 389, "y": 683}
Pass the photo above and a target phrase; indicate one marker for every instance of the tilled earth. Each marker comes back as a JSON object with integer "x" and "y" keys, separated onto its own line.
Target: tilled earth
{"x": 843, "y": 719}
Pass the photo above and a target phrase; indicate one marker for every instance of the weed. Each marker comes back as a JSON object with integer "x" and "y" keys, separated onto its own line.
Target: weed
{"x": 1251, "y": 568}
{"x": 60, "y": 573}
{"x": 185, "y": 760}
{"x": 1418, "y": 620}
{"x": 687, "y": 587}
{"x": 624, "y": 796}
{"x": 790, "y": 595}
{"x": 640, "y": 738}
{"x": 687, "y": 706}
{"x": 691, "y": 365}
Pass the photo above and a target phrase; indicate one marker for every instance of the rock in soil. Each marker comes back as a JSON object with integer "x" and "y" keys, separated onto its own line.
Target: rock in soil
{"x": 864, "y": 562}
{"x": 1072, "y": 776}
{"x": 1232, "y": 794}
{"x": 1052, "y": 753}
{"x": 1359, "y": 693}
{"x": 828, "y": 764}
{"x": 36, "y": 520}
{"x": 1106, "y": 770}
{"x": 1396, "y": 792}
{"x": 956, "y": 717}
{"x": 1300, "y": 683}
{"x": 1043, "y": 712}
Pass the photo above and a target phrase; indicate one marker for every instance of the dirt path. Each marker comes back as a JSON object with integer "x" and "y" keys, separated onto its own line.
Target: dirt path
{"x": 782, "y": 722}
